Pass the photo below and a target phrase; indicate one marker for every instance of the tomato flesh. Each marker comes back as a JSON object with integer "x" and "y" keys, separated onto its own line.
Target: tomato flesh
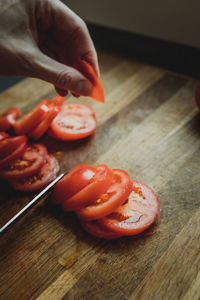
{"x": 26, "y": 165}
{"x": 94, "y": 228}
{"x": 91, "y": 192}
{"x": 38, "y": 181}
{"x": 42, "y": 127}
{"x": 140, "y": 211}
{"x": 30, "y": 120}
{"x": 75, "y": 121}
{"x": 7, "y": 146}
{"x": 115, "y": 196}
{"x": 8, "y": 118}
{"x": 80, "y": 176}
{"x": 6, "y": 161}
{"x": 87, "y": 70}
{"x": 3, "y": 135}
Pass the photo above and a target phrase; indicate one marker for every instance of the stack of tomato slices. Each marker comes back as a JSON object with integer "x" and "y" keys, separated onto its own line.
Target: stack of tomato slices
{"x": 26, "y": 167}
{"x": 66, "y": 122}
{"x": 108, "y": 202}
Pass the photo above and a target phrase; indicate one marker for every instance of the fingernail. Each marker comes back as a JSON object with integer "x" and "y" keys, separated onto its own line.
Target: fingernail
{"x": 84, "y": 87}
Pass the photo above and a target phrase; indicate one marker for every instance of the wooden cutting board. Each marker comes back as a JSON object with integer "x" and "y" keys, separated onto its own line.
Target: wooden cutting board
{"x": 150, "y": 127}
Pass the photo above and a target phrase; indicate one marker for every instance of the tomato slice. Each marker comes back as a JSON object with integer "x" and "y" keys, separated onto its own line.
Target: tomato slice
{"x": 87, "y": 70}
{"x": 94, "y": 228}
{"x": 30, "y": 120}
{"x": 75, "y": 121}
{"x": 100, "y": 182}
{"x": 7, "y": 146}
{"x": 42, "y": 127}
{"x": 8, "y": 118}
{"x": 197, "y": 95}
{"x": 3, "y": 135}
{"x": 14, "y": 155}
{"x": 80, "y": 176}
{"x": 58, "y": 100}
{"x": 115, "y": 196}
{"x": 26, "y": 165}
{"x": 140, "y": 211}
{"x": 38, "y": 181}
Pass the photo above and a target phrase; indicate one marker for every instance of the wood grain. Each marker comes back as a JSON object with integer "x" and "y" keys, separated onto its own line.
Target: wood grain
{"x": 150, "y": 127}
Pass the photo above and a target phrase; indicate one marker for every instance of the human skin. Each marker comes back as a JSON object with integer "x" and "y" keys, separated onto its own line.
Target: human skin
{"x": 43, "y": 39}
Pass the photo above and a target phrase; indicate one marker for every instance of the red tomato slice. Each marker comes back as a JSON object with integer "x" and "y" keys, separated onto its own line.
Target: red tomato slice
{"x": 7, "y": 146}
{"x": 8, "y": 118}
{"x": 58, "y": 100}
{"x": 94, "y": 228}
{"x": 75, "y": 108}
{"x": 115, "y": 196}
{"x": 91, "y": 192}
{"x": 197, "y": 95}
{"x": 30, "y": 120}
{"x": 3, "y": 135}
{"x": 42, "y": 127}
{"x": 140, "y": 211}
{"x": 87, "y": 70}
{"x": 75, "y": 121}
{"x": 14, "y": 155}
{"x": 38, "y": 181}
{"x": 28, "y": 164}
{"x": 80, "y": 176}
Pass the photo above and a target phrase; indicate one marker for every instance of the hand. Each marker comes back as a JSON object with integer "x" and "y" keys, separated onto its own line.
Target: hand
{"x": 43, "y": 39}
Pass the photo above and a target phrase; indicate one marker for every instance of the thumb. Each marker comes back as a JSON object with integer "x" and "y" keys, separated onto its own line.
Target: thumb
{"x": 62, "y": 76}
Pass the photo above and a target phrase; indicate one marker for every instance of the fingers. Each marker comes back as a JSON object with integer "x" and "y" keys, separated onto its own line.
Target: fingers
{"x": 74, "y": 29}
{"x": 63, "y": 77}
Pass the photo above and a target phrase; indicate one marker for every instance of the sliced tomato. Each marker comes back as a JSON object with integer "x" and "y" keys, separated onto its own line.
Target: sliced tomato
{"x": 99, "y": 184}
{"x": 6, "y": 161}
{"x": 30, "y": 120}
{"x": 26, "y": 165}
{"x": 38, "y": 181}
{"x": 7, "y": 146}
{"x": 42, "y": 127}
{"x": 58, "y": 100}
{"x": 74, "y": 108}
{"x": 8, "y": 118}
{"x": 140, "y": 211}
{"x": 3, "y": 135}
{"x": 197, "y": 95}
{"x": 75, "y": 121}
{"x": 87, "y": 70}
{"x": 115, "y": 196}
{"x": 80, "y": 176}
{"x": 94, "y": 228}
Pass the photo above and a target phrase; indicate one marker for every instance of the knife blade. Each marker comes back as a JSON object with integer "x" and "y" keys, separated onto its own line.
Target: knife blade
{"x": 33, "y": 202}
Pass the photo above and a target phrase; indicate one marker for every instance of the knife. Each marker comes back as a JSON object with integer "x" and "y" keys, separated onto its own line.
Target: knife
{"x": 31, "y": 203}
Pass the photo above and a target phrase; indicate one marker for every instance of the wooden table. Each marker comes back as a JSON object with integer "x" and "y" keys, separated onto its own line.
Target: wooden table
{"x": 150, "y": 127}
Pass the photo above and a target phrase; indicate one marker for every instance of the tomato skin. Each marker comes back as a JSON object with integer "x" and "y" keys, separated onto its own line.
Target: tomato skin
{"x": 140, "y": 211}
{"x": 30, "y": 120}
{"x": 94, "y": 228}
{"x": 3, "y": 135}
{"x": 58, "y": 100}
{"x": 75, "y": 121}
{"x": 8, "y": 118}
{"x": 7, "y": 146}
{"x": 115, "y": 196}
{"x": 38, "y": 181}
{"x": 197, "y": 95}
{"x": 26, "y": 165}
{"x": 80, "y": 176}
{"x": 87, "y": 70}
{"x": 14, "y": 155}
{"x": 91, "y": 192}
{"x": 42, "y": 127}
